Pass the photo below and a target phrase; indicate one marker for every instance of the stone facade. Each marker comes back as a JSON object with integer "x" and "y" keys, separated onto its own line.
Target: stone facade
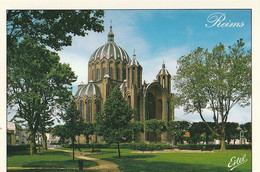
{"x": 109, "y": 66}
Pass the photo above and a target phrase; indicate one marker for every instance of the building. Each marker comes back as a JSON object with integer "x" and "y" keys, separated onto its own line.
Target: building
{"x": 111, "y": 65}
{"x": 11, "y": 133}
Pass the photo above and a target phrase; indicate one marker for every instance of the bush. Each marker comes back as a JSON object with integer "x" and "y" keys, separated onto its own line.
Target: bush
{"x": 13, "y": 148}
{"x": 211, "y": 147}
{"x": 133, "y": 146}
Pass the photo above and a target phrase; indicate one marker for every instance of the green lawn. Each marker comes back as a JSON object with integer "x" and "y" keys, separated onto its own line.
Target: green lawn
{"x": 175, "y": 161}
{"x": 50, "y": 158}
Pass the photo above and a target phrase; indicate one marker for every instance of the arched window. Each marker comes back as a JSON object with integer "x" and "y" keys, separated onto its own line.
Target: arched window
{"x": 163, "y": 82}
{"x": 89, "y": 111}
{"x": 104, "y": 71}
{"x": 128, "y": 78}
{"x": 133, "y": 76}
{"x": 93, "y": 73}
{"x": 139, "y": 79}
{"x": 81, "y": 108}
{"x": 98, "y": 107}
{"x": 124, "y": 72}
{"x": 129, "y": 101}
{"x": 111, "y": 72}
{"x": 118, "y": 74}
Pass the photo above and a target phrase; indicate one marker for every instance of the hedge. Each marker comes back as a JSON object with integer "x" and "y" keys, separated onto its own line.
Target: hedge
{"x": 211, "y": 147}
{"x": 12, "y": 148}
{"x": 133, "y": 146}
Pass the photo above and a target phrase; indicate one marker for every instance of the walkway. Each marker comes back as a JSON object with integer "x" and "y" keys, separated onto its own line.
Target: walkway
{"x": 103, "y": 166}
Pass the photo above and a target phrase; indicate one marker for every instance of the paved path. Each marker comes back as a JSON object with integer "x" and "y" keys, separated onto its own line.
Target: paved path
{"x": 103, "y": 165}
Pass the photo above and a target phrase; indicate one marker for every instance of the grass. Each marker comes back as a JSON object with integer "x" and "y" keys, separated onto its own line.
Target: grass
{"x": 188, "y": 162}
{"x": 49, "y": 158}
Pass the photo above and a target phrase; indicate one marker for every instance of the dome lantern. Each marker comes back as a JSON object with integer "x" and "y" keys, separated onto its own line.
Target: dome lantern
{"x": 110, "y": 35}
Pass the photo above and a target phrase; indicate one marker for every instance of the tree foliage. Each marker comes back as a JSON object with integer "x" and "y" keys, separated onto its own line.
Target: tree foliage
{"x": 53, "y": 28}
{"x": 88, "y": 129}
{"x": 216, "y": 80}
{"x": 73, "y": 123}
{"x": 247, "y": 129}
{"x": 114, "y": 122}
{"x": 178, "y": 129}
{"x": 155, "y": 127}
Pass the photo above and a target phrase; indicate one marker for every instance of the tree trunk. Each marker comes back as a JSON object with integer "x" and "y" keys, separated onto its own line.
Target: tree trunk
{"x": 223, "y": 145}
{"x": 87, "y": 139}
{"x": 44, "y": 141}
{"x": 72, "y": 149}
{"x": 118, "y": 150}
{"x": 33, "y": 150}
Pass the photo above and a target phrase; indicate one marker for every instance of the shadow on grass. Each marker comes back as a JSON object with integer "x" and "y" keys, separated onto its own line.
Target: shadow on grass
{"x": 40, "y": 170}
{"x": 52, "y": 164}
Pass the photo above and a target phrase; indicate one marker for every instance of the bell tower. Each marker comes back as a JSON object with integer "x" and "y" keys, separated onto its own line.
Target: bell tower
{"x": 164, "y": 78}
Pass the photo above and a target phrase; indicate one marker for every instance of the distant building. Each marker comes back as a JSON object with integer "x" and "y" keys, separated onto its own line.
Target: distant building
{"x": 11, "y": 133}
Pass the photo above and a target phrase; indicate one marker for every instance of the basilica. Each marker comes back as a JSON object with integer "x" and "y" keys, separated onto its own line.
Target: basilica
{"x": 110, "y": 65}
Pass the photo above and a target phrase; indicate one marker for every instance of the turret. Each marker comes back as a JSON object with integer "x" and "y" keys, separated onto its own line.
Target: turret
{"x": 164, "y": 78}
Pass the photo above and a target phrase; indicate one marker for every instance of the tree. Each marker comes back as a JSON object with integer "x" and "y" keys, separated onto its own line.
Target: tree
{"x": 247, "y": 129}
{"x": 60, "y": 132}
{"x": 178, "y": 129}
{"x": 196, "y": 131}
{"x": 37, "y": 84}
{"x": 88, "y": 129}
{"x": 217, "y": 81}
{"x": 137, "y": 128}
{"x": 231, "y": 131}
{"x": 155, "y": 127}
{"x": 53, "y": 28}
{"x": 73, "y": 123}
{"x": 114, "y": 122}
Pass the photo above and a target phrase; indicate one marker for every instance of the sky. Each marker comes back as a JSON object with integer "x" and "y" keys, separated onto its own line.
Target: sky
{"x": 164, "y": 35}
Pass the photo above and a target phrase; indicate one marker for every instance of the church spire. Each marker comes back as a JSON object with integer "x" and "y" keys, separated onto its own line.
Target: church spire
{"x": 134, "y": 56}
{"x": 163, "y": 65}
{"x": 110, "y": 36}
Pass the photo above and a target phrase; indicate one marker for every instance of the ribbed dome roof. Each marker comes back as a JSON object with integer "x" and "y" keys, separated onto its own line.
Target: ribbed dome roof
{"x": 89, "y": 90}
{"x": 110, "y": 50}
{"x": 163, "y": 71}
{"x": 134, "y": 61}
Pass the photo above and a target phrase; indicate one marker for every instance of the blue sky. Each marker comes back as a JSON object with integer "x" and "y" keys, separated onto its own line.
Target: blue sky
{"x": 159, "y": 35}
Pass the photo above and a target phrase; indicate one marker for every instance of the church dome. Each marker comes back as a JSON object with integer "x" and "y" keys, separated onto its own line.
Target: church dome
{"x": 110, "y": 50}
{"x": 89, "y": 90}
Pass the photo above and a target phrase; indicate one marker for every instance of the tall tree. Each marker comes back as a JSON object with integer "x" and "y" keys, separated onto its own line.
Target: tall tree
{"x": 73, "y": 123}
{"x": 217, "y": 81}
{"x": 88, "y": 129}
{"x": 53, "y": 28}
{"x": 114, "y": 122}
{"x": 37, "y": 84}
{"x": 155, "y": 127}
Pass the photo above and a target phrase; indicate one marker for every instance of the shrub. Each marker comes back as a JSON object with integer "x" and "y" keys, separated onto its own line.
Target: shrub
{"x": 13, "y": 148}
{"x": 211, "y": 147}
{"x": 133, "y": 146}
